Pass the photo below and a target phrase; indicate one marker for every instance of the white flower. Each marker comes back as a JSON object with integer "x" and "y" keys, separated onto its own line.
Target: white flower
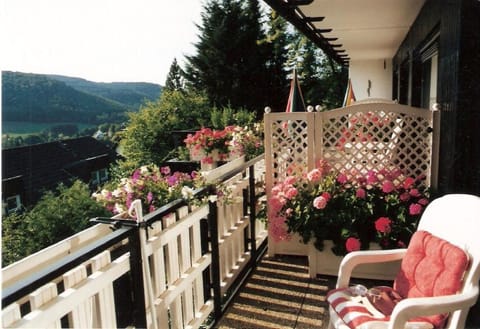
{"x": 187, "y": 192}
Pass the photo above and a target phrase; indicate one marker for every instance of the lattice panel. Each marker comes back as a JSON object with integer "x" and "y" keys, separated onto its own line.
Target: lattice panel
{"x": 291, "y": 146}
{"x": 376, "y": 139}
{"x": 362, "y": 137}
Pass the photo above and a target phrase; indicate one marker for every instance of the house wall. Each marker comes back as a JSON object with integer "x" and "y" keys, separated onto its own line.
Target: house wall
{"x": 457, "y": 89}
{"x": 371, "y": 78}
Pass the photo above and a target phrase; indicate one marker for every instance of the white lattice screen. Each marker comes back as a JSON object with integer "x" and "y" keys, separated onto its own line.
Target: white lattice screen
{"x": 368, "y": 136}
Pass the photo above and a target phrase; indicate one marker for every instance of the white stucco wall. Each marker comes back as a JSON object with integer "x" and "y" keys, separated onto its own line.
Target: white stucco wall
{"x": 378, "y": 72}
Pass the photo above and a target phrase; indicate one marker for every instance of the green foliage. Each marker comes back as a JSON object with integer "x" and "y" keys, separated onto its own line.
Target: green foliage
{"x": 323, "y": 82}
{"x": 175, "y": 77}
{"x": 147, "y": 138}
{"x": 55, "y": 217}
{"x": 227, "y": 116}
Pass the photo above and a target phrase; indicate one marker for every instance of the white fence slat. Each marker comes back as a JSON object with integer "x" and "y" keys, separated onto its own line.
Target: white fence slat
{"x": 173, "y": 271}
{"x": 81, "y": 315}
{"x": 42, "y": 296}
{"x": 104, "y": 301}
{"x": 10, "y": 315}
{"x": 196, "y": 254}
{"x": 186, "y": 263}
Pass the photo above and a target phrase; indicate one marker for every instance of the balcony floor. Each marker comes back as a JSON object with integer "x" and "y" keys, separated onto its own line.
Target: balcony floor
{"x": 280, "y": 294}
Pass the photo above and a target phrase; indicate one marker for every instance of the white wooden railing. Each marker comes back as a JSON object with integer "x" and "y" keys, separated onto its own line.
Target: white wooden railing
{"x": 177, "y": 265}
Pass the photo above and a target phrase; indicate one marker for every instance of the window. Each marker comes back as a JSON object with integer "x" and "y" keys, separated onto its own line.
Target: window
{"x": 12, "y": 204}
{"x": 429, "y": 81}
{"x": 99, "y": 176}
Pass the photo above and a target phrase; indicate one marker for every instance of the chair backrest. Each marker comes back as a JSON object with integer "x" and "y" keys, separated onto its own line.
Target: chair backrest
{"x": 456, "y": 219}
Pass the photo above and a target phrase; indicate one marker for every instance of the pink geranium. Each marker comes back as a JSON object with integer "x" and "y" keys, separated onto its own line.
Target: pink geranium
{"x": 352, "y": 244}
{"x": 320, "y": 202}
{"x": 387, "y": 186}
{"x": 415, "y": 209}
{"x": 382, "y": 225}
{"x": 360, "y": 193}
{"x": 315, "y": 175}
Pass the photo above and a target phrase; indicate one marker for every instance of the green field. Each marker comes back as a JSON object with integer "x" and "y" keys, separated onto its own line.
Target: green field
{"x": 27, "y": 128}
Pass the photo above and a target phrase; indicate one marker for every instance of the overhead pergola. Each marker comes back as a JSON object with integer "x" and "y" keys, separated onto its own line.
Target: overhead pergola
{"x": 352, "y": 29}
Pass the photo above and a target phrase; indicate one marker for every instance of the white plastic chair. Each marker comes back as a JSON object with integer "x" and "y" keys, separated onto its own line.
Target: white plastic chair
{"x": 454, "y": 218}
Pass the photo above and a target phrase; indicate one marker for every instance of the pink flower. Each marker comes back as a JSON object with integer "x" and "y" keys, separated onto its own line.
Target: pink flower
{"x": 165, "y": 170}
{"x": 315, "y": 175}
{"x": 382, "y": 225}
{"x": 352, "y": 244}
{"x": 387, "y": 186}
{"x": 408, "y": 182}
{"x": 361, "y": 194}
{"x": 404, "y": 197}
{"x": 149, "y": 197}
{"x": 414, "y": 192}
{"x": 327, "y": 196}
{"x": 423, "y": 201}
{"x": 342, "y": 178}
{"x": 371, "y": 177}
{"x": 291, "y": 193}
{"x": 275, "y": 204}
{"x": 415, "y": 209}
{"x": 320, "y": 202}
{"x": 289, "y": 180}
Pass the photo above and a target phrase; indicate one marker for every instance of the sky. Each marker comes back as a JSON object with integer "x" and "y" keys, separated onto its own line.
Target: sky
{"x": 98, "y": 40}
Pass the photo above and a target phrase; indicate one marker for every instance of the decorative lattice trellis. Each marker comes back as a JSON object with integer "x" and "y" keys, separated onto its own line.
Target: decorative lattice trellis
{"x": 361, "y": 137}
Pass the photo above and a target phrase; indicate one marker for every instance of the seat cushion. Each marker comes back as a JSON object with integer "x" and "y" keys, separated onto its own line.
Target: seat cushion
{"x": 357, "y": 313}
{"x": 431, "y": 267}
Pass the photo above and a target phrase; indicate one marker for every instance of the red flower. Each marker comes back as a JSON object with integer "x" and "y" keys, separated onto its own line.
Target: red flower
{"x": 361, "y": 194}
{"x": 382, "y": 225}
{"x": 387, "y": 186}
{"x": 415, "y": 209}
{"x": 352, "y": 244}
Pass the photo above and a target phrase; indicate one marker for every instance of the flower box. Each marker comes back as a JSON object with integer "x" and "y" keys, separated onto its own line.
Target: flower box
{"x": 215, "y": 173}
{"x": 294, "y": 246}
{"x": 327, "y": 263}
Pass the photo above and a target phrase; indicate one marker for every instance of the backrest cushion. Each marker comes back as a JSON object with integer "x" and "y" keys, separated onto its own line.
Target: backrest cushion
{"x": 431, "y": 267}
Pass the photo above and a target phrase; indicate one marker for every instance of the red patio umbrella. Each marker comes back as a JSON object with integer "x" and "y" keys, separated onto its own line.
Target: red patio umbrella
{"x": 295, "y": 101}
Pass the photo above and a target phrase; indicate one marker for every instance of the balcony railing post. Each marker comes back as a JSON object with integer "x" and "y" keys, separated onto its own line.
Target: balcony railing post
{"x": 213, "y": 225}
{"x": 138, "y": 287}
{"x": 253, "y": 215}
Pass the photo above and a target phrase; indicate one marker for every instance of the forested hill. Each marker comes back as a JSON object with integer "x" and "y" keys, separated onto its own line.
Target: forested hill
{"x": 44, "y": 98}
{"x": 132, "y": 94}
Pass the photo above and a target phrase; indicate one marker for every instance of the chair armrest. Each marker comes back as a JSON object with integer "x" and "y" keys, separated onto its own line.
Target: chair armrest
{"x": 355, "y": 258}
{"x": 424, "y": 306}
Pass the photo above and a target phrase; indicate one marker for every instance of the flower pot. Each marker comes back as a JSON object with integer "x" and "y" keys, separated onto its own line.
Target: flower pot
{"x": 294, "y": 246}
{"x": 327, "y": 263}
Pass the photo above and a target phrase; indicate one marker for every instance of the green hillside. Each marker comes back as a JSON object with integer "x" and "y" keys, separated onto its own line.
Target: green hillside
{"x": 131, "y": 94}
{"x": 43, "y": 98}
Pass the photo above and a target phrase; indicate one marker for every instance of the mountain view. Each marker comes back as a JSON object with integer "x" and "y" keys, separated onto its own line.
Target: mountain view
{"x": 52, "y": 98}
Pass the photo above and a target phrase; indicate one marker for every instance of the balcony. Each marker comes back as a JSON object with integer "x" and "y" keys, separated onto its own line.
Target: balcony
{"x": 203, "y": 265}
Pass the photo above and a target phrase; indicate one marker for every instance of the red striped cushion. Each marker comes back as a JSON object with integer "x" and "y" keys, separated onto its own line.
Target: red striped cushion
{"x": 357, "y": 314}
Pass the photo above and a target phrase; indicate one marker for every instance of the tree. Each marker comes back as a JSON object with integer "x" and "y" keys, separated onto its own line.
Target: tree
{"x": 147, "y": 138}
{"x": 174, "y": 80}
{"x": 323, "y": 82}
{"x": 276, "y": 42}
{"x": 58, "y": 215}
{"x": 229, "y": 65}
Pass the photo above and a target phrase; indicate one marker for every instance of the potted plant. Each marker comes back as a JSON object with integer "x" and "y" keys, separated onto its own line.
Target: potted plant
{"x": 154, "y": 186}
{"x": 350, "y": 209}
